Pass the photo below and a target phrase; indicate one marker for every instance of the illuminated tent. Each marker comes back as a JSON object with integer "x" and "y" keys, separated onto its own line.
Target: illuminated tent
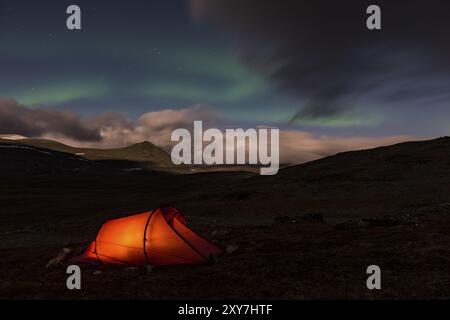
{"x": 160, "y": 237}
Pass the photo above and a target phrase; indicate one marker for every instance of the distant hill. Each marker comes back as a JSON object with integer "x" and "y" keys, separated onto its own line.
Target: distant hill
{"x": 143, "y": 155}
{"x": 396, "y": 179}
{"x": 21, "y": 159}
{"x": 408, "y": 160}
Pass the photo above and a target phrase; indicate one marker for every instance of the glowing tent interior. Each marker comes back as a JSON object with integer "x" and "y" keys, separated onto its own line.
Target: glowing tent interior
{"x": 160, "y": 237}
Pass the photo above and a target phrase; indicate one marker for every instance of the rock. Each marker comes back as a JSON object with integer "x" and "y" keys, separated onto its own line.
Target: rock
{"x": 232, "y": 248}
{"x": 97, "y": 272}
{"x": 54, "y": 263}
{"x": 352, "y": 224}
{"x": 282, "y": 219}
{"x": 313, "y": 217}
{"x": 219, "y": 233}
{"x": 386, "y": 221}
{"x": 59, "y": 259}
{"x": 212, "y": 260}
{"x": 131, "y": 269}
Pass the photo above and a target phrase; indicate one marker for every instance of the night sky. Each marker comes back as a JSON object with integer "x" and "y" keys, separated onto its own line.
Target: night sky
{"x": 134, "y": 57}
{"x": 310, "y": 67}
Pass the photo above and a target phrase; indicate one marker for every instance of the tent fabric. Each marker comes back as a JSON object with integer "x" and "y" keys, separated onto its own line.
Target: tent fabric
{"x": 160, "y": 237}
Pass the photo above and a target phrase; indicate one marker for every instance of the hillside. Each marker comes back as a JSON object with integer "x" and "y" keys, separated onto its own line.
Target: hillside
{"x": 142, "y": 155}
{"x": 310, "y": 231}
{"x": 409, "y": 160}
{"x": 20, "y": 159}
{"x": 401, "y": 178}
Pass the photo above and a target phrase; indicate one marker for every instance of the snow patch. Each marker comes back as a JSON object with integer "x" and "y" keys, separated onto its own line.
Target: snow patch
{"x": 12, "y": 137}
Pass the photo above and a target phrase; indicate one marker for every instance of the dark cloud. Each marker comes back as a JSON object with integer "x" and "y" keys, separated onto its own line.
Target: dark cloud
{"x": 321, "y": 51}
{"x": 18, "y": 119}
{"x": 112, "y": 130}
{"x": 106, "y": 130}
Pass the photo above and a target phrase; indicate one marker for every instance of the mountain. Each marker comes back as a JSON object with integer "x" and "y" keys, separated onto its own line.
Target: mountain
{"x": 21, "y": 159}
{"x": 394, "y": 179}
{"x": 144, "y": 155}
{"x": 408, "y": 160}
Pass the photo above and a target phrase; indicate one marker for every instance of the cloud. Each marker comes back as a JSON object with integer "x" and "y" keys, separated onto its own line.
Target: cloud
{"x": 112, "y": 130}
{"x": 300, "y": 146}
{"x": 155, "y": 126}
{"x": 116, "y": 130}
{"x": 18, "y": 119}
{"x": 107, "y": 130}
{"x": 322, "y": 53}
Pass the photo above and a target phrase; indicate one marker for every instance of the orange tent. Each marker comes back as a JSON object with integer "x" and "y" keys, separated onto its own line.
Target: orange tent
{"x": 160, "y": 237}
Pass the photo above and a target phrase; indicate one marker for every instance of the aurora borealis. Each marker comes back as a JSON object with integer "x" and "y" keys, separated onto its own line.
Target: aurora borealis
{"x": 148, "y": 58}
{"x": 248, "y": 63}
